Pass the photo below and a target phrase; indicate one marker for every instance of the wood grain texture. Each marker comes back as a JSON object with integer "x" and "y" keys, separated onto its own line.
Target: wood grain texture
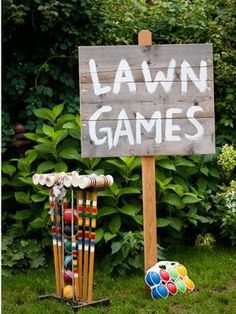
{"x": 148, "y": 146}
{"x": 141, "y": 101}
{"x": 149, "y": 191}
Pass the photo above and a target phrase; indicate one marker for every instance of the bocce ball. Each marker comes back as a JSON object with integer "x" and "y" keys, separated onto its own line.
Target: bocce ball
{"x": 189, "y": 283}
{"x": 182, "y": 271}
{"x": 67, "y": 230}
{"x": 173, "y": 273}
{"x": 68, "y": 216}
{"x": 180, "y": 285}
{"x": 152, "y": 278}
{"x": 171, "y": 287}
{"x": 68, "y": 292}
{"x": 159, "y": 291}
{"x": 164, "y": 275}
{"x": 68, "y": 275}
{"x": 68, "y": 262}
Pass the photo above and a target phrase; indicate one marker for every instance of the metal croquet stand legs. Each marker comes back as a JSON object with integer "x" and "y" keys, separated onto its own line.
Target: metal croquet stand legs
{"x": 75, "y": 305}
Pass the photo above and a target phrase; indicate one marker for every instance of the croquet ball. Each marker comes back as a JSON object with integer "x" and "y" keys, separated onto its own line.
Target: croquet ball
{"x": 67, "y": 246}
{"x": 171, "y": 287}
{"x": 68, "y": 275}
{"x": 152, "y": 278}
{"x": 68, "y": 262}
{"x": 180, "y": 285}
{"x": 159, "y": 291}
{"x": 68, "y": 292}
{"x": 164, "y": 275}
{"x": 67, "y": 230}
{"x": 189, "y": 283}
{"x": 182, "y": 271}
{"x": 68, "y": 215}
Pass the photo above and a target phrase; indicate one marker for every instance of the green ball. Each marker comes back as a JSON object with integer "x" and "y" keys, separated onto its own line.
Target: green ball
{"x": 173, "y": 273}
{"x": 180, "y": 285}
{"x": 67, "y": 246}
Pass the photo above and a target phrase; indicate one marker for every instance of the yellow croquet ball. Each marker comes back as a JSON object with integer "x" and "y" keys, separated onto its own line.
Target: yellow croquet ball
{"x": 189, "y": 283}
{"x": 182, "y": 271}
{"x": 68, "y": 292}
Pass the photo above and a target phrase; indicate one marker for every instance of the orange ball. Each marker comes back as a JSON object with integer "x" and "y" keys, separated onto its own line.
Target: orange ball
{"x": 182, "y": 271}
{"x": 189, "y": 283}
{"x": 68, "y": 292}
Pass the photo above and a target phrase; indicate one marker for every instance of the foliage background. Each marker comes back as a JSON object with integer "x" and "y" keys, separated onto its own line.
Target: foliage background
{"x": 40, "y": 70}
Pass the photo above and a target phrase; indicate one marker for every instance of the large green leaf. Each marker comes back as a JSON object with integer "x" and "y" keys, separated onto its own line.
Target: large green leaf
{"x": 22, "y": 197}
{"x": 45, "y": 166}
{"x": 115, "y": 247}
{"x": 129, "y": 190}
{"x": 108, "y": 236}
{"x": 38, "y": 197}
{"x": 106, "y": 211}
{"x": 44, "y": 114}
{"x": 175, "y": 223}
{"x": 172, "y": 199}
{"x": 115, "y": 223}
{"x": 167, "y": 164}
{"x": 70, "y": 153}
{"x": 184, "y": 162}
{"x": 57, "y": 110}
{"x": 61, "y": 167}
{"x": 128, "y": 210}
{"x": 8, "y": 169}
{"x": 48, "y": 130}
{"x": 22, "y": 214}
{"x": 99, "y": 235}
{"x": 190, "y": 198}
{"x": 163, "y": 222}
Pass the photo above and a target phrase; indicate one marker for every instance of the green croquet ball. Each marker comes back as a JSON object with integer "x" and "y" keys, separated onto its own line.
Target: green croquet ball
{"x": 67, "y": 246}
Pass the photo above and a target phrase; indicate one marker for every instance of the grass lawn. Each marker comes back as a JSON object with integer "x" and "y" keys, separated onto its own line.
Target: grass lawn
{"x": 212, "y": 270}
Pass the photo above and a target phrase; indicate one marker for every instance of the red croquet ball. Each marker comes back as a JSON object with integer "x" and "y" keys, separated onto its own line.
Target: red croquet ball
{"x": 68, "y": 215}
{"x": 171, "y": 288}
{"x": 164, "y": 275}
{"x": 68, "y": 275}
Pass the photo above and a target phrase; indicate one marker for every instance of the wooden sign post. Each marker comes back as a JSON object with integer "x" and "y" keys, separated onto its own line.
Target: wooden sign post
{"x": 149, "y": 191}
{"x": 147, "y": 100}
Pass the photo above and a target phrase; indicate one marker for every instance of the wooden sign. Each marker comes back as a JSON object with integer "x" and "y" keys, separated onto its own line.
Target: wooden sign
{"x": 147, "y": 100}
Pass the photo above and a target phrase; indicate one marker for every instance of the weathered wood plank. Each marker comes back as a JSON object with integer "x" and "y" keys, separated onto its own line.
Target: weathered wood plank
{"x": 187, "y": 88}
{"x": 107, "y": 77}
{"x": 147, "y": 109}
{"x": 158, "y": 56}
{"x": 87, "y": 93}
{"x": 204, "y": 145}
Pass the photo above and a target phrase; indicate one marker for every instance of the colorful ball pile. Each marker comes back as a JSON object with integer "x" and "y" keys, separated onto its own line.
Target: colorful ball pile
{"x": 168, "y": 278}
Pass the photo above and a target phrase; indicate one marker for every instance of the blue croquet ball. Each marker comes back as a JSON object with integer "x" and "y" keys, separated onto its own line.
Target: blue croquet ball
{"x": 152, "y": 278}
{"x": 159, "y": 291}
{"x": 68, "y": 262}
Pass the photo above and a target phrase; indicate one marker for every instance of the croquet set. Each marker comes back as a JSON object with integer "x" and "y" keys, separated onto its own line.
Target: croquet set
{"x": 73, "y": 212}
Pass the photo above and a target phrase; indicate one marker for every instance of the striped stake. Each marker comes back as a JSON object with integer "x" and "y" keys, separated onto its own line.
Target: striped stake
{"x": 54, "y": 241}
{"x": 63, "y": 208}
{"x": 80, "y": 242}
{"x": 59, "y": 240}
{"x": 92, "y": 247}
{"x": 86, "y": 246}
{"x": 73, "y": 242}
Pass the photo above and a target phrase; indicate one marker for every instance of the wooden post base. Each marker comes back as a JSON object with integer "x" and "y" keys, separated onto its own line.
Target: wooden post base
{"x": 75, "y": 304}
